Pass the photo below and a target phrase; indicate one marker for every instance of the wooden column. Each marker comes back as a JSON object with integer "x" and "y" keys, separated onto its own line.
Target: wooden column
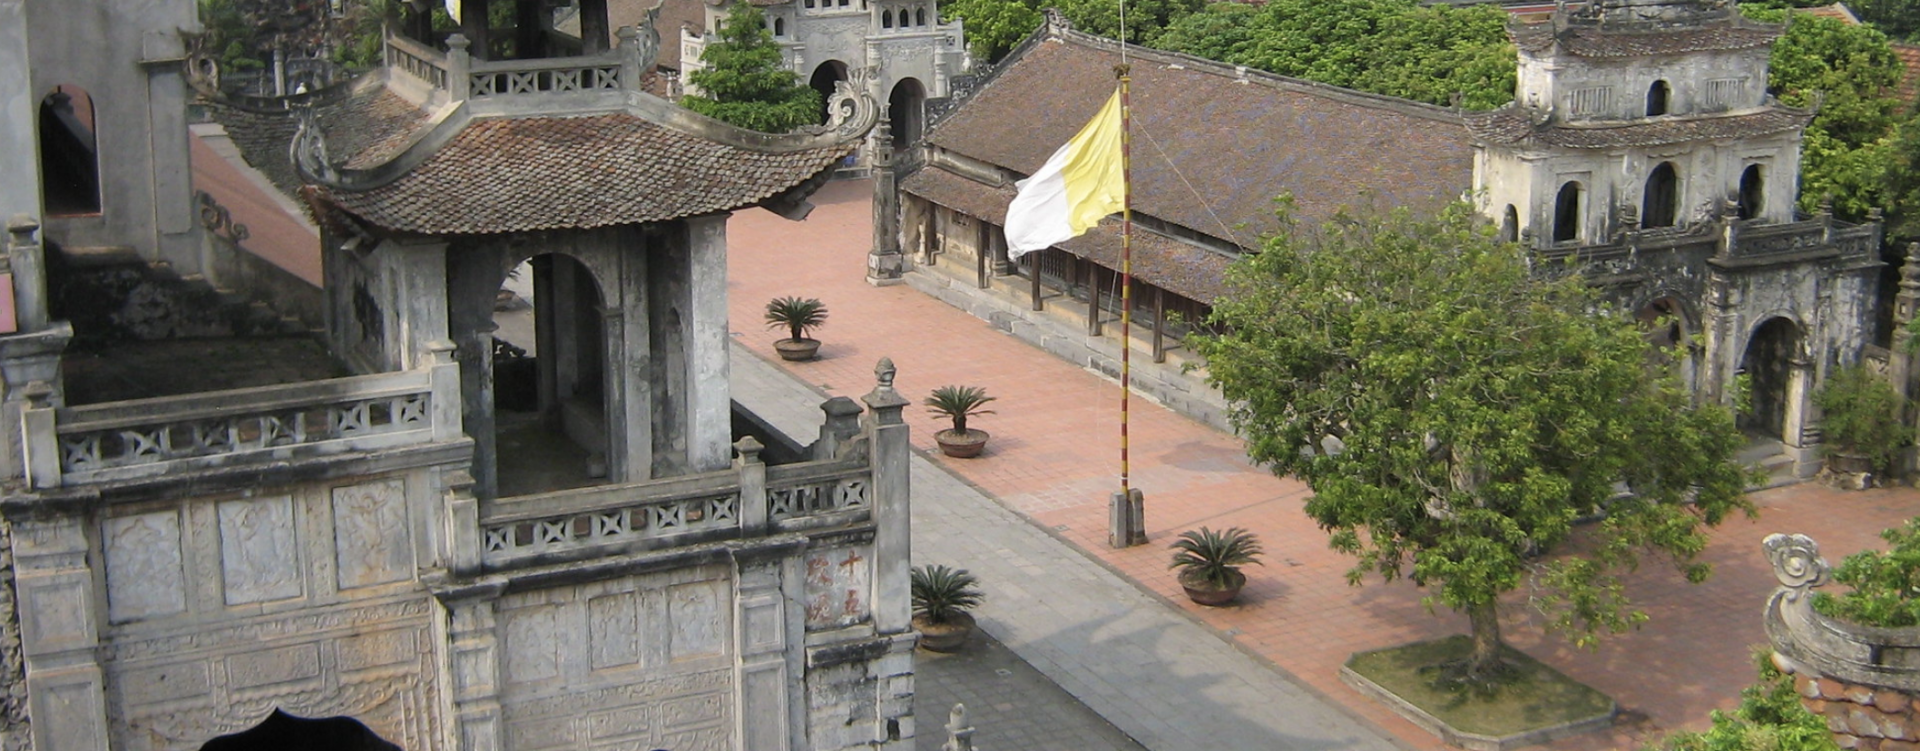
{"x": 1159, "y": 324}
{"x": 1033, "y": 274}
{"x": 983, "y": 245}
{"x": 1093, "y": 296}
{"x": 473, "y": 23}
{"x": 593, "y": 27}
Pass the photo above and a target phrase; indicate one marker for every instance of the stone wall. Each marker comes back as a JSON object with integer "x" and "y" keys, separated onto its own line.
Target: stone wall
{"x": 1862, "y": 717}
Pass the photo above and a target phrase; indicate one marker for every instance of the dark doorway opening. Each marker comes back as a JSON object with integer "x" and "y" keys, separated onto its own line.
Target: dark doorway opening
{"x": 824, "y": 77}
{"x": 284, "y": 732}
{"x": 906, "y": 112}
{"x": 1752, "y": 192}
{"x": 1566, "y": 213}
{"x": 69, "y": 161}
{"x": 1662, "y": 199}
{"x": 1768, "y": 364}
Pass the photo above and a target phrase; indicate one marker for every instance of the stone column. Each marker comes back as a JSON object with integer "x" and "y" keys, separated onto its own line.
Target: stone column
{"x": 1719, "y": 320}
{"x": 59, "y": 633}
{"x": 710, "y": 406}
{"x": 884, "y": 260}
{"x": 475, "y": 661}
{"x": 892, "y": 548}
{"x": 19, "y": 117}
{"x": 1902, "y": 365}
{"x": 631, "y": 452}
{"x": 1800, "y": 433}
{"x": 33, "y": 354}
{"x": 177, "y": 234}
{"x": 765, "y": 707}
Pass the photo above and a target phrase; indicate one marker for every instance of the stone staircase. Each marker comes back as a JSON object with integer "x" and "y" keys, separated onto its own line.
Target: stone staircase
{"x": 1770, "y": 456}
{"x": 112, "y": 293}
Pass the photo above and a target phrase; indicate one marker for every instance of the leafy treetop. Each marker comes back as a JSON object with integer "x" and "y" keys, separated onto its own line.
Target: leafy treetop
{"x": 742, "y": 81}
{"x": 1884, "y": 586}
{"x": 1455, "y": 414}
{"x": 1770, "y": 718}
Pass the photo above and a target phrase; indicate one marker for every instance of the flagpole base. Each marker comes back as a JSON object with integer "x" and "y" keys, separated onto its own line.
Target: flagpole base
{"x": 1126, "y": 519}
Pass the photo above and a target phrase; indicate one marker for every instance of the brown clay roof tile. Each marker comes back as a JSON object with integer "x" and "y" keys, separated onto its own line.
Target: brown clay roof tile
{"x": 1511, "y": 126}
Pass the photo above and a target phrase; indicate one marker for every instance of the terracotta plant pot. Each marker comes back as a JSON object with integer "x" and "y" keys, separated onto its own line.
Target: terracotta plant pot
{"x": 961, "y": 445}
{"x": 797, "y": 350}
{"x": 944, "y": 637}
{"x": 1204, "y": 593}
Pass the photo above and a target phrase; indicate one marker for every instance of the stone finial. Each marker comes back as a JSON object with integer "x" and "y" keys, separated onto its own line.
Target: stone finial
{"x": 959, "y": 733}
{"x": 22, "y": 227}
{"x": 1910, "y": 268}
{"x": 883, "y": 400}
{"x": 883, "y": 143}
{"x": 749, "y": 449}
{"x": 1826, "y": 205}
{"x": 458, "y": 41}
{"x": 1796, "y": 562}
{"x": 884, "y": 371}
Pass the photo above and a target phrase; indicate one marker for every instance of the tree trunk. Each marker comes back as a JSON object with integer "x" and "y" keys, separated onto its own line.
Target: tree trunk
{"x": 1485, "y": 659}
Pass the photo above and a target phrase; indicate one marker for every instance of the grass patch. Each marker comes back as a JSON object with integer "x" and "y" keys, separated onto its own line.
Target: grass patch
{"x": 1534, "y": 696}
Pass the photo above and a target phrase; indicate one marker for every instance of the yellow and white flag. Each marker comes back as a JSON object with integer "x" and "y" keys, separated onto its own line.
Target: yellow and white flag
{"x": 1079, "y": 185}
{"x": 453, "y": 10}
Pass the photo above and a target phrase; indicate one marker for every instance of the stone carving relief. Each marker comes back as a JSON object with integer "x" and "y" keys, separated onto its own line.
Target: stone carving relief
{"x": 694, "y": 612}
{"x": 144, "y": 577}
{"x": 371, "y": 662}
{"x": 259, "y": 558}
{"x": 690, "y": 712}
{"x": 838, "y": 586}
{"x": 370, "y": 534}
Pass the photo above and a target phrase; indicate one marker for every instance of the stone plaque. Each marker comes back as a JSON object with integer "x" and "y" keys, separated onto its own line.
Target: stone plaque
{"x": 271, "y": 666}
{"x": 370, "y": 534}
{"x": 166, "y": 683}
{"x": 259, "y": 555}
{"x": 376, "y": 649}
{"x": 144, "y": 577}
{"x": 699, "y": 629}
{"x": 613, "y": 630}
{"x": 837, "y": 587}
{"x": 533, "y": 643}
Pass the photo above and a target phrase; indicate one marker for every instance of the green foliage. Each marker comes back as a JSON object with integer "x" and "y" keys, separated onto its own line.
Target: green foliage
{"x": 957, "y": 403}
{"x": 229, "y": 32}
{"x": 1850, "y": 71}
{"x": 1770, "y": 718}
{"x": 1861, "y": 414}
{"x": 1205, "y": 556}
{"x": 1455, "y": 414}
{"x": 1398, "y": 48}
{"x": 798, "y": 315}
{"x": 1146, "y": 19}
{"x": 993, "y": 27}
{"x": 743, "y": 83}
{"x": 1883, "y": 587}
{"x": 941, "y": 594}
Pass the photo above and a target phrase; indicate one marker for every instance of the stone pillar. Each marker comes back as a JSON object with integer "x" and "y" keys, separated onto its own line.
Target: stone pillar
{"x": 959, "y": 732}
{"x": 884, "y": 260}
{"x": 26, "y": 260}
{"x": 473, "y": 23}
{"x": 459, "y": 66}
{"x": 892, "y": 548}
{"x": 1800, "y": 434}
{"x": 177, "y": 236}
{"x": 33, "y": 353}
{"x": 1719, "y": 319}
{"x": 765, "y": 713}
{"x": 1902, "y": 365}
{"x": 710, "y": 405}
{"x": 631, "y": 450}
{"x": 59, "y": 608}
{"x": 475, "y": 661}
{"x": 19, "y": 116}
{"x": 839, "y": 429}
{"x": 593, "y": 27}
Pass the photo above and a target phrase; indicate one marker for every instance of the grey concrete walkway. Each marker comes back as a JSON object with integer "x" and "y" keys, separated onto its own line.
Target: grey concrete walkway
{"x": 1159, "y": 677}
{"x": 1012, "y": 706}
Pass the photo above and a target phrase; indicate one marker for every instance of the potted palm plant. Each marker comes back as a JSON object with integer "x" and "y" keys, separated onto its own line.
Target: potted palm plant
{"x": 1209, "y": 563}
{"x": 941, "y": 598}
{"x": 957, "y": 403}
{"x": 798, "y": 315}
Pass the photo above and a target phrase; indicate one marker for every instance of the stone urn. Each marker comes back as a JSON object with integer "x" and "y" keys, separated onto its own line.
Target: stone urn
{"x": 962, "y": 445}
{"x": 1861, "y": 679}
{"x": 797, "y": 350}
{"x": 1199, "y": 591}
{"x": 949, "y": 636}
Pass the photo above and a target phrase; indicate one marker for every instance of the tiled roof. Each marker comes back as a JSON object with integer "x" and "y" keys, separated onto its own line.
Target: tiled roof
{"x": 1179, "y": 267}
{"x": 368, "y": 127}
{"x": 540, "y": 173}
{"x": 1212, "y": 147}
{"x": 1598, "y": 40}
{"x": 1512, "y": 126}
{"x": 1908, "y": 91}
{"x": 1836, "y": 11}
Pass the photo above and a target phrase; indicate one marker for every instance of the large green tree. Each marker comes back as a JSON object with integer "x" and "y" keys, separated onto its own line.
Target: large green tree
{"x": 741, "y": 80}
{"x": 1454, "y": 414}
{"x": 993, "y": 27}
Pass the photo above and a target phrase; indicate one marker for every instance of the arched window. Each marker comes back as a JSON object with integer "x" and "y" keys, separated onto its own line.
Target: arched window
{"x": 69, "y": 163}
{"x": 1657, "y": 98}
{"x": 1753, "y": 196}
{"x": 920, "y": 17}
{"x": 1662, "y": 198}
{"x": 809, "y": 3}
{"x": 886, "y": 19}
{"x": 1510, "y": 225}
{"x": 779, "y": 27}
{"x": 1566, "y": 213}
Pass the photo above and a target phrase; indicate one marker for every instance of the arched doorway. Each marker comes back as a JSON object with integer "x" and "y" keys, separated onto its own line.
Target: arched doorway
{"x": 69, "y": 161}
{"x": 1657, "y": 97}
{"x": 284, "y": 732}
{"x": 1566, "y": 213}
{"x": 1510, "y": 224}
{"x": 824, "y": 77}
{"x": 1768, "y": 364}
{"x": 1662, "y": 198}
{"x": 1752, "y": 192}
{"x": 549, "y": 378}
{"x": 906, "y": 111}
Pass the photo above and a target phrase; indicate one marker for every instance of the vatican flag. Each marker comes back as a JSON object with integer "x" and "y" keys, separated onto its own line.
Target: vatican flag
{"x": 453, "y": 10}
{"x": 1079, "y": 185}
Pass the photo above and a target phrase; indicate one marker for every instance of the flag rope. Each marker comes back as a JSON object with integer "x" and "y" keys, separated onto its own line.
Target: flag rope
{"x": 1126, "y": 260}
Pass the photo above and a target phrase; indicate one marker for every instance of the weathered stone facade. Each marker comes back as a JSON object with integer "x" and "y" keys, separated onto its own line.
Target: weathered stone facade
{"x": 178, "y": 568}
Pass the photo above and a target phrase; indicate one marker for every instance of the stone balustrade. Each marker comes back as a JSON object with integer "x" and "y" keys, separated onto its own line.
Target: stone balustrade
{"x": 748, "y": 499}
{"x": 424, "y": 63}
{"x": 143, "y": 438}
{"x": 548, "y": 76}
{"x": 462, "y": 77}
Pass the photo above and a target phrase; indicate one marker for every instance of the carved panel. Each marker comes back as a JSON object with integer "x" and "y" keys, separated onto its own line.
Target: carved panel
{"x": 694, "y": 610}
{"x": 144, "y": 577}
{"x": 370, "y": 534}
{"x": 373, "y": 662}
{"x": 837, "y": 587}
{"x": 613, "y": 628}
{"x": 690, "y": 712}
{"x": 534, "y": 641}
{"x": 259, "y": 559}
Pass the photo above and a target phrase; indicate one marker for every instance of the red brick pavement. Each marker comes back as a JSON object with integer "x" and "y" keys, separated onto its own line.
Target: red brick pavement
{"x": 1053, "y": 458}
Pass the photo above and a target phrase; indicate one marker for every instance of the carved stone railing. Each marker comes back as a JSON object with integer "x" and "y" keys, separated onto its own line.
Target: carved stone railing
{"x": 548, "y": 76}
{"x": 425, "y": 64}
{"x": 747, "y": 500}
{"x": 129, "y": 440}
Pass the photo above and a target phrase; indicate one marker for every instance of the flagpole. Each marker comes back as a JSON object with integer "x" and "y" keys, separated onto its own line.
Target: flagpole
{"x": 1136, "y": 532}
